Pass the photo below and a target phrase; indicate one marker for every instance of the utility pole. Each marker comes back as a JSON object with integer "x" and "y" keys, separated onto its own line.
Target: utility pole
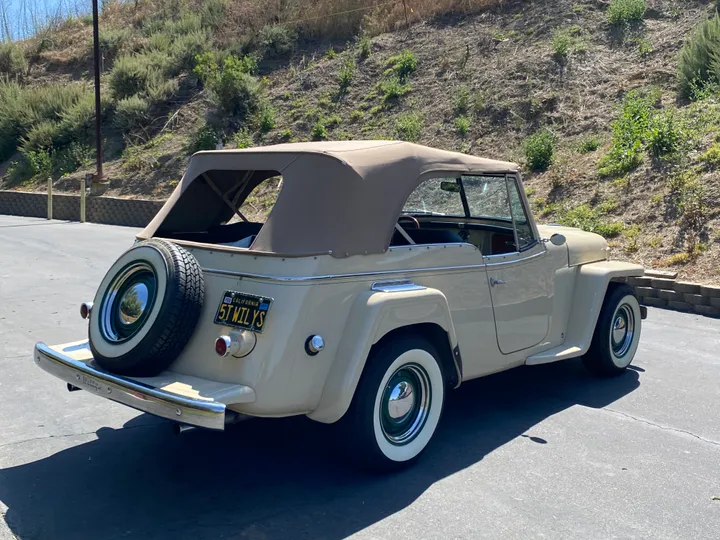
{"x": 96, "y": 61}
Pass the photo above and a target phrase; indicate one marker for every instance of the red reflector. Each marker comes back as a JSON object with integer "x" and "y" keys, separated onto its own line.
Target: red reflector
{"x": 221, "y": 346}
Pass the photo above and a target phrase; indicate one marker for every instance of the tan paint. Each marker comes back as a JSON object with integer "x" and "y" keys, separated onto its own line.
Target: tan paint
{"x": 583, "y": 247}
{"x": 588, "y": 294}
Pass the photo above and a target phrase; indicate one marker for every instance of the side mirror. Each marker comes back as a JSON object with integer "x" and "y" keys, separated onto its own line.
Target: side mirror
{"x": 557, "y": 239}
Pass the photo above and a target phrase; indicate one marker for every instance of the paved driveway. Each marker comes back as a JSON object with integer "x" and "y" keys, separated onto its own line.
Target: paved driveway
{"x": 542, "y": 452}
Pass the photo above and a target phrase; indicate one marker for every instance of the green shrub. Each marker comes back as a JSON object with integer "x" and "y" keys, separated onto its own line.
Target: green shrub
{"x": 128, "y": 77}
{"x": 461, "y": 102}
{"x": 408, "y": 126}
{"x": 319, "y": 131}
{"x": 69, "y": 159}
{"x": 112, "y": 41}
{"x": 22, "y": 108}
{"x": 204, "y": 138}
{"x": 266, "y": 118}
{"x": 78, "y": 120}
{"x": 364, "y": 47}
{"x": 136, "y": 74}
{"x": 161, "y": 42}
{"x": 712, "y": 155}
{"x": 212, "y": 13}
{"x": 188, "y": 23}
{"x": 187, "y": 47}
{"x": 277, "y": 41}
{"x": 131, "y": 114}
{"x": 160, "y": 90}
{"x": 38, "y": 163}
{"x": 462, "y": 125}
{"x": 699, "y": 61}
{"x": 12, "y": 59}
{"x": 236, "y": 92}
{"x": 622, "y": 12}
{"x": 243, "y": 139}
{"x": 664, "y": 136}
{"x": 393, "y": 88}
{"x": 561, "y": 43}
{"x": 589, "y": 144}
{"x": 539, "y": 150}
{"x": 630, "y": 133}
{"x": 403, "y": 64}
{"x": 346, "y": 74}
{"x": 42, "y": 136}
{"x": 590, "y": 219}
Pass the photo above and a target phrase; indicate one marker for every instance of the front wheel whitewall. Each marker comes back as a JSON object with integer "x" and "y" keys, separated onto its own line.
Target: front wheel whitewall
{"x": 617, "y": 333}
{"x": 419, "y": 372}
{"x": 625, "y": 331}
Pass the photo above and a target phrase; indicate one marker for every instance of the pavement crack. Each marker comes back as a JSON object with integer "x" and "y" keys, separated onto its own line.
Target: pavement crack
{"x": 33, "y": 439}
{"x": 663, "y": 427}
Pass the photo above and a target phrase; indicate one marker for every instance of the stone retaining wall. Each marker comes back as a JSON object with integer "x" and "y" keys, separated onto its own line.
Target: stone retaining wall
{"x": 677, "y": 295}
{"x": 107, "y": 210}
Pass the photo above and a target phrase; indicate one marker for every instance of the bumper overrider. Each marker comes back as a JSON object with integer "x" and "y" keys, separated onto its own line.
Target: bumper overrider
{"x": 204, "y": 409}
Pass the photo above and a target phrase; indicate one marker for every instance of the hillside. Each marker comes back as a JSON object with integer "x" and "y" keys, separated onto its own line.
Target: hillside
{"x": 584, "y": 94}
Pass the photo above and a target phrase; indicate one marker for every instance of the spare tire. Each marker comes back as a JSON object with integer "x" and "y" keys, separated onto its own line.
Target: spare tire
{"x": 146, "y": 309}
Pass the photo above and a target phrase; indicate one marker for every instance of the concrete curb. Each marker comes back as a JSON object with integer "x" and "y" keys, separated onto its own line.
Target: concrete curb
{"x": 659, "y": 289}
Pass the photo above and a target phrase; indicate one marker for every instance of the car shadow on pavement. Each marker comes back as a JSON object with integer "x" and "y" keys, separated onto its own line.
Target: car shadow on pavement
{"x": 275, "y": 479}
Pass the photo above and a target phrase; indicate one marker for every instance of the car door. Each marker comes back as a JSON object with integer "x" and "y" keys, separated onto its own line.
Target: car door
{"x": 520, "y": 277}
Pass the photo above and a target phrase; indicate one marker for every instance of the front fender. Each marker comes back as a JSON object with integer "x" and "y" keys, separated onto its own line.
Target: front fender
{"x": 372, "y": 316}
{"x": 591, "y": 284}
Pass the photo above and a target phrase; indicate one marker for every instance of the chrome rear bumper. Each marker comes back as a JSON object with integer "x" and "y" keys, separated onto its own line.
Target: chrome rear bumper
{"x": 204, "y": 412}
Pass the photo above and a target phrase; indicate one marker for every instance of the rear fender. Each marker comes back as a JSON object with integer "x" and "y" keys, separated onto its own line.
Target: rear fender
{"x": 373, "y": 315}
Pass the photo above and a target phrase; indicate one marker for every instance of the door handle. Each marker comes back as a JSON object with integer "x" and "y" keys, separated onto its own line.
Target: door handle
{"x": 494, "y": 282}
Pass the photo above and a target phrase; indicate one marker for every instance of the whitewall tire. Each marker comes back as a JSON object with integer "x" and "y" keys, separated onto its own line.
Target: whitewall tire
{"x": 397, "y": 404}
{"x": 146, "y": 309}
{"x": 617, "y": 333}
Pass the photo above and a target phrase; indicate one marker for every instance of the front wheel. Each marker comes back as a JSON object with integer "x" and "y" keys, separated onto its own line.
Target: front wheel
{"x": 397, "y": 404}
{"x": 617, "y": 333}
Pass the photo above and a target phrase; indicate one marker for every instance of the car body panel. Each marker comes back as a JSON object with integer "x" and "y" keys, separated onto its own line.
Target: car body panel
{"x": 591, "y": 283}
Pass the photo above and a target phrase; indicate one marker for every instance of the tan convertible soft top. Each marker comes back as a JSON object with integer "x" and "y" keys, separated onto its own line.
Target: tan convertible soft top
{"x": 340, "y": 197}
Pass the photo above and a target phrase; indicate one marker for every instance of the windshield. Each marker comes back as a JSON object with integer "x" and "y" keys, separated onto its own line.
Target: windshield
{"x": 469, "y": 196}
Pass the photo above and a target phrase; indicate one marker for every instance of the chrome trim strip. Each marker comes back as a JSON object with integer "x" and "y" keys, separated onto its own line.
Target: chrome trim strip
{"x": 304, "y": 279}
{"x": 512, "y": 261}
{"x": 404, "y": 285}
{"x": 207, "y": 414}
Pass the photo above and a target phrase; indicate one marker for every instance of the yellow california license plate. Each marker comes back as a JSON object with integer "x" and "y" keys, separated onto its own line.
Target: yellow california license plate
{"x": 245, "y": 311}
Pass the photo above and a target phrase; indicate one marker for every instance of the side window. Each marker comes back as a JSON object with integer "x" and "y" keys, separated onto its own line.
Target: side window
{"x": 522, "y": 224}
{"x": 436, "y": 196}
{"x": 487, "y": 197}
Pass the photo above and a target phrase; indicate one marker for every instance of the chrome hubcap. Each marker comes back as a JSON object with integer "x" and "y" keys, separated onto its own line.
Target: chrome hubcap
{"x": 401, "y": 401}
{"x": 623, "y": 328}
{"x": 128, "y": 302}
{"x": 405, "y": 404}
{"x": 133, "y": 303}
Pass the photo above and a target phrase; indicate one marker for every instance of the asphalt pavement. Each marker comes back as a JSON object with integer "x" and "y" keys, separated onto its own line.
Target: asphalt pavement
{"x": 546, "y": 452}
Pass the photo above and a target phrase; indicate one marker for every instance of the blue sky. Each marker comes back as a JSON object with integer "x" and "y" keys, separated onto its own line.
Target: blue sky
{"x": 24, "y": 15}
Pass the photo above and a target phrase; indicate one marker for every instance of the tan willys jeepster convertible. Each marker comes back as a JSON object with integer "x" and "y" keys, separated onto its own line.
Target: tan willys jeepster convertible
{"x": 385, "y": 275}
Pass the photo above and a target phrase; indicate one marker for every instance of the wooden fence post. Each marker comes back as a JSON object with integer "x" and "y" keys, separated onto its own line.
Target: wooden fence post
{"x": 49, "y": 195}
{"x": 82, "y": 200}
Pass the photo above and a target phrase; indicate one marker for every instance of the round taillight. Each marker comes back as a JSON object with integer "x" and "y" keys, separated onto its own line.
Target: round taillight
{"x": 85, "y": 309}
{"x": 222, "y": 345}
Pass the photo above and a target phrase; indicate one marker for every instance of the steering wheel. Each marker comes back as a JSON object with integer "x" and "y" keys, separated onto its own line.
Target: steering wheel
{"x": 410, "y": 218}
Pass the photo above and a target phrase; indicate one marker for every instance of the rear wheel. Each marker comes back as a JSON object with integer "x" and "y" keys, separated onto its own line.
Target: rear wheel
{"x": 397, "y": 404}
{"x": 617, "y": 333}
